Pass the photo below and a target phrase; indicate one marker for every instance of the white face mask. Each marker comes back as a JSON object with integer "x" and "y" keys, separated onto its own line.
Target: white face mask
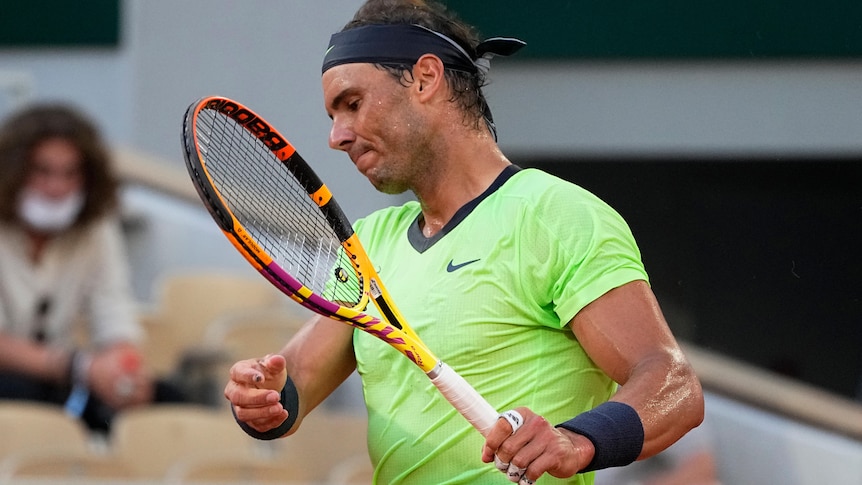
{"x": 49, "y": 215}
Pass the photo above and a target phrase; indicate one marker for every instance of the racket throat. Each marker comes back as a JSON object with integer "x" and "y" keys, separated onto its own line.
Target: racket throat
{"x": 382, "y": 305}
{"x": 388, "y": 313}
{"x": 374, "y": 289}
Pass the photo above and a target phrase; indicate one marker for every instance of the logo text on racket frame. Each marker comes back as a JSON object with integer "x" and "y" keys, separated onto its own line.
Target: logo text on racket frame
{"x": 251, "y": 121}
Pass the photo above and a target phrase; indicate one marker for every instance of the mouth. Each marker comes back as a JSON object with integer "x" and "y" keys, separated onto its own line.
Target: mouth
{"x": 360, "y": 158}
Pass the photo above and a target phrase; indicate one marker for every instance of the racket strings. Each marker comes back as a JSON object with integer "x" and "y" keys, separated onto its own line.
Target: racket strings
{"x": 274, "y": 208}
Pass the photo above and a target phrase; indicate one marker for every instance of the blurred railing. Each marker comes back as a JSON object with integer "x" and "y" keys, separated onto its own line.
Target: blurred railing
{"x": 776, "y": 393}
{"x": 136, "y": 168}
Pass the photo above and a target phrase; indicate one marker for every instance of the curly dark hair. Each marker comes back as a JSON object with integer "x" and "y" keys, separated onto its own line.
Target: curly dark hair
{"x": 24, "y": 130}
{"x": 466, "y": 87}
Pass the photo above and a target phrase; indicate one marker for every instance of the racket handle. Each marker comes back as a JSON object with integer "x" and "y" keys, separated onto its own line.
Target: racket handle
{"x": 463, "y": 397}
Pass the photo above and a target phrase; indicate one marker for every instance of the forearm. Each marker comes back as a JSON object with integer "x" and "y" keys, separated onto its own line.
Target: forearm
{"x": 668, "y": 398}
{"x": 39, "y": 361}
{"x": 626, "y": 335}
{"x": 318, "y": 359}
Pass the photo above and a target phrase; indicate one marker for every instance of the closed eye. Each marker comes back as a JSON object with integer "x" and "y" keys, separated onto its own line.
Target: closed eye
{"x": 348, "y": 100}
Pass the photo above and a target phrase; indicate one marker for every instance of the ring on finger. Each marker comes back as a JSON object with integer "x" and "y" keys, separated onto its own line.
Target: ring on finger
{"x": 515, "y": 473}
{"x": 514, "y": 418}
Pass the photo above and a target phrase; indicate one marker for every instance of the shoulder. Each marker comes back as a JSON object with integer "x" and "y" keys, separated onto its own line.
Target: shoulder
{"x": 543, "y": 187}
{"x": 388, "y": 218}
{"x": 546, "y": 198}
{"x": 13, "y": 235}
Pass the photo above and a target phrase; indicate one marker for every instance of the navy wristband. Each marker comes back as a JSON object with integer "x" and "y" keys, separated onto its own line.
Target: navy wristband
{"x": 615, "y": 430}
{"x": 290, "y": 401}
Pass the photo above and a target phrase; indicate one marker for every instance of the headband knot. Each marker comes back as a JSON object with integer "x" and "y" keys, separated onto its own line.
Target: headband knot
{"x": 496, "y": 46}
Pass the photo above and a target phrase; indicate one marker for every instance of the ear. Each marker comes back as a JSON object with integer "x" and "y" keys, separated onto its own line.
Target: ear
{"x": 428, "y": 77}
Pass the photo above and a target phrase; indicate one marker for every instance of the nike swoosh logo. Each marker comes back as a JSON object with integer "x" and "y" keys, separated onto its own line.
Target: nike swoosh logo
{"x": 455, "y": 267}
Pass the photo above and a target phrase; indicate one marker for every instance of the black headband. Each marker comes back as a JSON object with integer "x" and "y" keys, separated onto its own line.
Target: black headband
{"x": 405, "y": 44}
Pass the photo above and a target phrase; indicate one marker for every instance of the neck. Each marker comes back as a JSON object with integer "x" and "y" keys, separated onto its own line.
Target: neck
{"x": 38, "y": 242}
{"x": 460, "y": 176}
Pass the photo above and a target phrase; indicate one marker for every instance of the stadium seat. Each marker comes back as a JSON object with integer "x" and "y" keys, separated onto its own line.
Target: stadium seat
{"x": 151, "y": 440}
{"x": 186, "y": 302}
{"x": 31, "y": 426}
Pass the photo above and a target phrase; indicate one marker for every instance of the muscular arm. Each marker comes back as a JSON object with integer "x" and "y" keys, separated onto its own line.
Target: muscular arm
{"x": 626, "y": 335}
{"x": 318, "y": 359}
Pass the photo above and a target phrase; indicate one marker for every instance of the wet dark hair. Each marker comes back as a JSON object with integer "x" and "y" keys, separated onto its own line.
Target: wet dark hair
{"x": 23, "y": 131}
{"x": 466, "y": 87}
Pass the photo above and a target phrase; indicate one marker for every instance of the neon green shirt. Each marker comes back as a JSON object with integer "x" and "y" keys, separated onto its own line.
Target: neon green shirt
{"x": 491, "y": 295}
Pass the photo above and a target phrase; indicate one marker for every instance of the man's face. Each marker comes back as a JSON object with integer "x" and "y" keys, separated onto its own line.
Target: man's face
{"x": 376, "y": 122}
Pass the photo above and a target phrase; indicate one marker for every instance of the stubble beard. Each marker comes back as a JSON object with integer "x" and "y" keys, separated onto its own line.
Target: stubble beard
{"x": 412, "y": 165}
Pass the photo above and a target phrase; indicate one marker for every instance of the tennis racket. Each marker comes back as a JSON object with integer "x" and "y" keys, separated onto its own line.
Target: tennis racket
{"x": 276, "y": 212}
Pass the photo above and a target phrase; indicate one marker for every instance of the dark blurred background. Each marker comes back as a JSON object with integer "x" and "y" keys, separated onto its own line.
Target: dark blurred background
{"x": 758, "y": 259}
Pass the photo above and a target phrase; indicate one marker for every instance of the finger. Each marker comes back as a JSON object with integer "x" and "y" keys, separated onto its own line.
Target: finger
{"x": 273, "y": 371}
{"x": 274, "y": 363}
{"x": 244, "y": 396}
{"x": 530, "y": 458}
{"x": 265, "y": 424}
{"x": 514, "y": 418}
{"x": 248, "y": 372}
{"x": 261, "y": 414}
{"x": 514, "y": 473}
{"x": 257, "y": 372}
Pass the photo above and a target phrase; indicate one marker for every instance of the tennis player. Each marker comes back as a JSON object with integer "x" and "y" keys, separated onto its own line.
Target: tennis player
{"x": 529, "y": 286}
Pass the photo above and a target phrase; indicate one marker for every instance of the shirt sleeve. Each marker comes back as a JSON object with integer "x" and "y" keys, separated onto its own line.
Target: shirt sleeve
{"x": 587, "y": 249}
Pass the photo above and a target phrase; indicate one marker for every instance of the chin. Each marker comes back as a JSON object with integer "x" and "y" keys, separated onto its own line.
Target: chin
{"x": 385, "y": 184}
{"x": 393, "y": 190}
{"x": 388, "y": 186}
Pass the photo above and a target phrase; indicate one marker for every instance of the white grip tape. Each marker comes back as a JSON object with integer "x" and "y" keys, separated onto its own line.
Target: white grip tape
{"x": 465, "y": 399}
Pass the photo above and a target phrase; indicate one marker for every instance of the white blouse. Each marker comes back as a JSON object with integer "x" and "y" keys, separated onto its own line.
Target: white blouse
{"x": 83, "y": 274}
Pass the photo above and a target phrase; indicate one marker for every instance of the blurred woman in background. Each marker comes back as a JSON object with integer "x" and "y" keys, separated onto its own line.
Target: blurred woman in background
{"x": 62, "y": 263}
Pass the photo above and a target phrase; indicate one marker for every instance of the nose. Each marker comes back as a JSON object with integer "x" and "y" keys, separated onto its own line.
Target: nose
{"x": 341, "y": 136}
